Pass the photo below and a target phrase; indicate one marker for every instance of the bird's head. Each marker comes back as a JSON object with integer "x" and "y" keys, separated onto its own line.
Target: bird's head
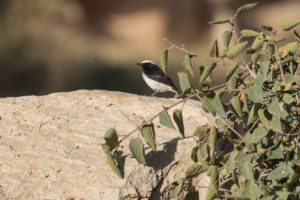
{"x": 146, "y": 64}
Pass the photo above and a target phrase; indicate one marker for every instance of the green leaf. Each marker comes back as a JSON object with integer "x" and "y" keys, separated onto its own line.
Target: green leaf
{"x": 275, "y": 109}
{"x": 258, "y": 42}
{"x": 164, "y": 61}
{"x": 111, "y": 138}
{"x": 287, "y": 98}
{"x": 282, "y": 171}
{"x": 253, "y": 113}
{"x": 256, "y": 136}
{"x": 269, "y": 48}
{"x": 230, "y": 163}
{"x": 136, "y": 147}
{"x": 256, "y": 92}
{"x": 194, "y": 154}
{"x": 252, "y": 190}
{"x": 113, "y": 165}
{"x": 236, "y": 50}
{"x": 217, "y": 106}
{"x": 265, "y": 66}
{"x": 287, "y": 59}
{"x": 184, "y": 82}
{"x": 212, "y": 138}
{"x": 290, "y": 78}
{"x": 232, "y": 82}
{"x": 212, "y": 191}
{"x": 249, "y": 33}
{"x": 245, "y": 8}
{"x": 265, "y": 118}
{"x": 223, "y": 53}
{"x": 177, "y": 116}
{"x": 255, "y": 57}
{"x": 187, "y": 63}
{"x": 235, "y": 102}
{"x": 277, "y": 40}
{"x": 230, "y": 71}
{"x": 117, "y": 158}
{"x": 275, "y": 124}
{"x": 245, "y": 169}
{"x": 292, "y": 47}
{"x": 177, "y": 191}
{"x": 202, "y": 132}
{"x": 288, "y": 25}
{"x": 202, "y": 153}
{"x": 194, "y": 170}
{"x": 220, "y": 21}
{"x": 106, "y": 148}
{"x": 282, "y": 195}
{"x": 297, "y": 36}
{"x": 148, "y": 134}
{"x": 214, "y": 51}
{"x": 192, "y": 196}
{"x": 226, "y": 37}
{"x": 246, "y": 103}
{"x": 164, "y": 119}
{"x": 206, "y": 103}
{"x": 206, "y": 72}
{"x": 276, "y": 153}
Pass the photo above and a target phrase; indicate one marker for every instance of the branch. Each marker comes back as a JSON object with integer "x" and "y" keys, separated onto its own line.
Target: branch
{"x": 154, "y": 116}
{"x": 252, "y": 73}
{"x": 279, "y": 62}
{"x": 179, "y": 48}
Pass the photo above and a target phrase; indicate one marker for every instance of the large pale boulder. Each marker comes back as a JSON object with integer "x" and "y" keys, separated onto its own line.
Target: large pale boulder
{"x": 50, "y": 146}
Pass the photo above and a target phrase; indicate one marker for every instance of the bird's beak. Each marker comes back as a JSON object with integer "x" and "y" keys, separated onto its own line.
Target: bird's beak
{"x": 138, "y": 64}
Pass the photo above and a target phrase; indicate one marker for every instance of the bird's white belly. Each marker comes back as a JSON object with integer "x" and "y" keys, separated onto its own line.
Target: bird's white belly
{"x": 156, "y": 86}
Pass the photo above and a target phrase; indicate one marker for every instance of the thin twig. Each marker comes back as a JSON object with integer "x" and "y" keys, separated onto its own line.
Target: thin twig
{"x": 232, "y": 129}
{"x": 225, "y": 181}
{"x": 252, "y": 73}
{"x": 179, "y": 48}
{"x": 279, "y": 62}
{"x": 154, "y": 116}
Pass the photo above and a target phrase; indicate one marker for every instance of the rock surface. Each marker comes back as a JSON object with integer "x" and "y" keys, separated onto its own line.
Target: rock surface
{"x": 50, "y": 146}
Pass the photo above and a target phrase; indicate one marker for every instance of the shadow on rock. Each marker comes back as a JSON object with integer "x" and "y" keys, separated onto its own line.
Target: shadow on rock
{"x": 160, "y": 159}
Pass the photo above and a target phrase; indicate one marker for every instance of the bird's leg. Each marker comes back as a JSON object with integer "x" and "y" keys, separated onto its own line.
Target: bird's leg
{"x": 155, "y": 94}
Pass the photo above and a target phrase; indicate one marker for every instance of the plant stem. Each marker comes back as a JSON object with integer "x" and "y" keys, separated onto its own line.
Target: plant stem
{"x": 279, "y": 62}
{"x": 179, "y": 48}
{"x": 233, "y": 130}
{"x": 252, "y": 73}
{"x": 154, "y": 116}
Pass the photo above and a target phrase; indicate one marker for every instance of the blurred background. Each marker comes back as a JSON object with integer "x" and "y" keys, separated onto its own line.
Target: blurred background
{"x": 63, "y": 45}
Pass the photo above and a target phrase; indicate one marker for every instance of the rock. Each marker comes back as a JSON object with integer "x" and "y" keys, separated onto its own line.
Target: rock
{"x": 50, "y": 146}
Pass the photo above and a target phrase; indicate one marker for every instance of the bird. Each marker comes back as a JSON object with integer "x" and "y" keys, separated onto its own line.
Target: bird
{"x": 156, "y": 79}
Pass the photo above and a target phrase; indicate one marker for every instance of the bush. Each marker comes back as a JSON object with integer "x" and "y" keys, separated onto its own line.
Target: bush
{"x": 257, "y": 113}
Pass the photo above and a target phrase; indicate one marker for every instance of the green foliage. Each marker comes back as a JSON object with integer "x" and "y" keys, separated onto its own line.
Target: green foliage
{"x": 184, "y": 82}
{"x": 263, "y": 91}
{"x": 288, "y": 25}
{"x": 236, "y": 50}
{"x": 164, "y": 119}
{"x": 136, "y": 147}
{"x": 214, "y": 50}
{"x": 164, "y": 61}
{"x": 244, "y": 8}
{"x": 149, "y": 135}
{"x": 111, "y": 138}
{"x": 226, "y": 37}
{"x": 187, "y": 63}
{"x": 177, "y": 116}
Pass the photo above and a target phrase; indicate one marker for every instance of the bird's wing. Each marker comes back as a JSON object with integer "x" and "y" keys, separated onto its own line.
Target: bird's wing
{"x": 162, "y": 78}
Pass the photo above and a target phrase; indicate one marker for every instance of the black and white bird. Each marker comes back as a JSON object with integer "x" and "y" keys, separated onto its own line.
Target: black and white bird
{"x": 156, "y": 79}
